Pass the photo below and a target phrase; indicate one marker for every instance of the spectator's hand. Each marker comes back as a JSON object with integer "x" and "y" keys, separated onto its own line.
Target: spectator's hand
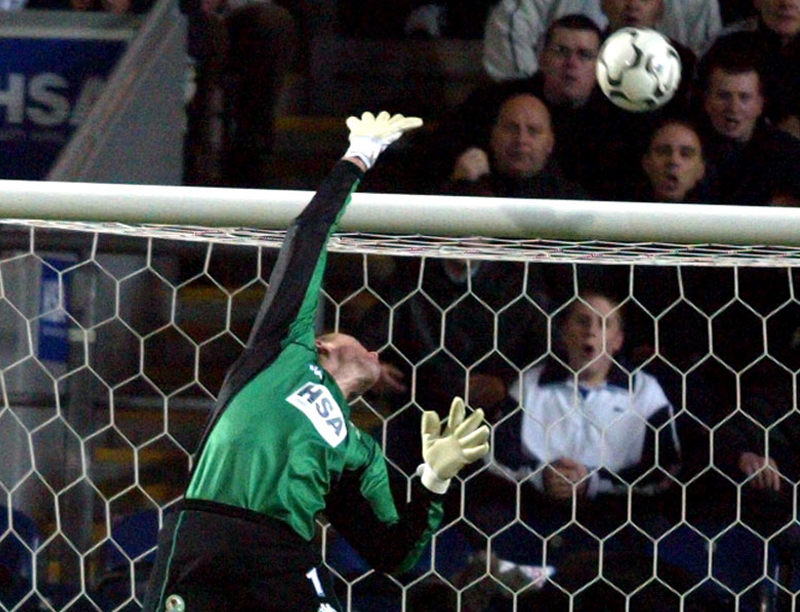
{"x": 561, "y": 476}
{"x": 471, "y": 165}
{"x": 555, "y": 484}
{"x": 445, "y": 453}
{"x": 765, "y": 470}
{"x": 370, "y": 135}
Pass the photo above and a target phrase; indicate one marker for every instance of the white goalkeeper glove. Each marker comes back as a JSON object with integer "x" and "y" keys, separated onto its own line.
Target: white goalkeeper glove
{"x": 445, "y": 453}
{"x": 370, "y": 135}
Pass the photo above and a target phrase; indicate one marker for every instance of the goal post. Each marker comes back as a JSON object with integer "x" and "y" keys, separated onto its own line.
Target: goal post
{"x": 563, "y": 220}
{"x": 121, "y": 308}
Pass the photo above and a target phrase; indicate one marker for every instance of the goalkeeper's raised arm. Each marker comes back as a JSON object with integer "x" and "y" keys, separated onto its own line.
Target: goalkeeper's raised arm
{"x": 280, "y": 448}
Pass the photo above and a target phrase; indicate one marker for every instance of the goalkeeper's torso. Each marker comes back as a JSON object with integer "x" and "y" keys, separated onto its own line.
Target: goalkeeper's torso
{"x": 282, "y": 441}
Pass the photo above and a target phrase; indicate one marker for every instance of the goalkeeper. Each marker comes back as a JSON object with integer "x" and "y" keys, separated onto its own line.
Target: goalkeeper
{"x": 280, "y": 448}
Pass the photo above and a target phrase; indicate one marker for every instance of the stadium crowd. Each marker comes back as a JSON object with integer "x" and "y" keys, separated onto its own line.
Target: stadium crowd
{"x": 707, "y": 442}
{"x": 611, "y": 435}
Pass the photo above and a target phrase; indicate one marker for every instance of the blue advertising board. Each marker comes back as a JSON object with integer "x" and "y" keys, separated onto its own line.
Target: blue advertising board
{"x": 53, "y": 324}
{"x": 47, "y": 86}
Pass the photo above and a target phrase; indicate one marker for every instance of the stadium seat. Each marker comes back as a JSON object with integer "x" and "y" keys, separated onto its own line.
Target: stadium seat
{"x": 18, "y": 541}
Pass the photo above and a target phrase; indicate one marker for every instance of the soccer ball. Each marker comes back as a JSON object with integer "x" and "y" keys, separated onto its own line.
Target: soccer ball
{"x": 638, "y": 69}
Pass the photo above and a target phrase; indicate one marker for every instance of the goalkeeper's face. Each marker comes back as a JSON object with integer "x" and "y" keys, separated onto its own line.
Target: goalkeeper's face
{"x": 355, "y": 368}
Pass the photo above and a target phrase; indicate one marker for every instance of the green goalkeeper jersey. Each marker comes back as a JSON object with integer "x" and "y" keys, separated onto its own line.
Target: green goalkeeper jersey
{"x": 280, "y": 442}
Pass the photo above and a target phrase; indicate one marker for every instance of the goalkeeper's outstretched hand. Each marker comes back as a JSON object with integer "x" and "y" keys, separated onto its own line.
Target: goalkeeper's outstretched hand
{"x": 370, "y": 135}
{"x": 445, "y": 453}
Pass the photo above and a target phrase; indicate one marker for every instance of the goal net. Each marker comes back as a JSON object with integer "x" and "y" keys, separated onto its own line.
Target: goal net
{"x": 119, "y": 320}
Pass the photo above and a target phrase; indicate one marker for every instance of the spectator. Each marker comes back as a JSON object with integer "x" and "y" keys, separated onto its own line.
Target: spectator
{"x": 518, "y": 160}
{"x": 569, "y": 56}
{"x": 515, "y": 30}
{"x": 597, "y": 145}
{"x": 775, "y": 33}
{"x": 749, "y": 435}
{"x": 242, "y": 53}
{"x": 628, "y": 133}
{"x": 566, "y": 83}
{"x": 760, "y": 450}
{"x": 752, "y": 161}
{"x": 674, "y": 165}
{"x": 763, "y": 443}
{"x": 580, "y": 436}
{"x": 584, "y": 429}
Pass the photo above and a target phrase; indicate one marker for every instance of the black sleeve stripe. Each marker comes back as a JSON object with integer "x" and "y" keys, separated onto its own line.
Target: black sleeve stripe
{"x": 300, "y": 254}
{"x": 383, "y": 546}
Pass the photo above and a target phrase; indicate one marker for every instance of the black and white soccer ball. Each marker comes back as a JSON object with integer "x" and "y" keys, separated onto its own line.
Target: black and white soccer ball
{"x": 638, "y": 69}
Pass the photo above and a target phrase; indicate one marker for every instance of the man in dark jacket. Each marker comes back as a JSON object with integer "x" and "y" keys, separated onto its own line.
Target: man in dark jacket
{"x": 752, "y": 161}
{"x": 774, "y": 32}
{"x": 518, "y": 162}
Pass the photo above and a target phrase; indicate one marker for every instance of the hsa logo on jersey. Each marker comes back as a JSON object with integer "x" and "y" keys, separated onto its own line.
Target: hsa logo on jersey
{"x": 317, "y": 403}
